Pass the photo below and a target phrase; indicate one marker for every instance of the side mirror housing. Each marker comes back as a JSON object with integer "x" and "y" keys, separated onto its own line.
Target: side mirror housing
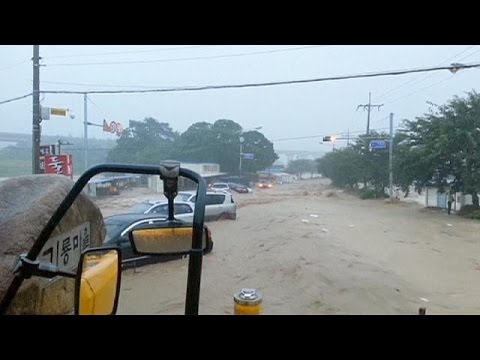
{"x": 153, "y": 240}
{"x": 97, "y": 285}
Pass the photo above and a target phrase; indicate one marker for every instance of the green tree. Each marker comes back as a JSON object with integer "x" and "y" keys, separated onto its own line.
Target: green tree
{"x": 262, "y": 149}
{"x": 220, "y": 143}
{"x": 300, "y": 166}
{"x": 144, "y": 142}
{"x": 227, "y": 144}
{"x": 372, "y": 164}
{"x": 342, "y": 167}
{"x": 443, "y": 146}
{"x": 356, "y": 164}
{"x": 196, "y": 144}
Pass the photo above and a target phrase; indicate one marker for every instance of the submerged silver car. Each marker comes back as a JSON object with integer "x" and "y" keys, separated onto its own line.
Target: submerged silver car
{"x": 219, "y": 204}
{"x": 183, "y": 209}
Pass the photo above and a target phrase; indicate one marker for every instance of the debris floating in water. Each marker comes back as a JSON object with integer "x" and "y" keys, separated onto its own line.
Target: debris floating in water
{"x": 423, "y": 299}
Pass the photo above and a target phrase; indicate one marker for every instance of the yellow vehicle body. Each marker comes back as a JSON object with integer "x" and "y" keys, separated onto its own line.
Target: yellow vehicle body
{"x": 98, "y": 283}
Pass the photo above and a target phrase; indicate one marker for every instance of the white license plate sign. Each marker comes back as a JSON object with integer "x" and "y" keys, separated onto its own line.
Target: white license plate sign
{"x": 64, "y": 250}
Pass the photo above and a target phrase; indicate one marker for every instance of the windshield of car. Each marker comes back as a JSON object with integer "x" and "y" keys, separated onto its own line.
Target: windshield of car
{"x": 183, "y": 196}
{"x": 114, "y": 228}
{"x": 342, "y": 179}
{"x": 140, "y": 208}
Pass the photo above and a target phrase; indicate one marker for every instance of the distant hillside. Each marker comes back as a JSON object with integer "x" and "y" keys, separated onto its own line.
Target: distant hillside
{"x": 16, "y": 160}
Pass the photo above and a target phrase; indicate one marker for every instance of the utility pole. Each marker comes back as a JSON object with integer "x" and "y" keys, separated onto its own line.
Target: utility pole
{"x": 369, "y": 107}
{"x": 390, "y": 157}
{"x": 85, "y": 132}
{"x": 36, "y": 111}
{"x": 348, "y": 136}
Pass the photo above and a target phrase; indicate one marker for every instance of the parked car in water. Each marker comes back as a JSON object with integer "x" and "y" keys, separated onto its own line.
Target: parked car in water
{"x": 264, "y": 184}
{"x": 219, "y": 204}
{"x": 239, "y": 188}
{"x": 183, "y": 210}
{"x": 118, "y": 227}
{"x": 220, "y": 186}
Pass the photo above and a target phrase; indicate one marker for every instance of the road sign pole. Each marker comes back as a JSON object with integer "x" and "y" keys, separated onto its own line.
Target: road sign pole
{"x": 240, "y": 164}
{"x": 85, "y": 132}
{"x": 390, "y": 157}
{"x": 36, "y": 111}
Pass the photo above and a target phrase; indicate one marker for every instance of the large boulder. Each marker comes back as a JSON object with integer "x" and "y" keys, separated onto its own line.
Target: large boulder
{"x": 26, "y": 205}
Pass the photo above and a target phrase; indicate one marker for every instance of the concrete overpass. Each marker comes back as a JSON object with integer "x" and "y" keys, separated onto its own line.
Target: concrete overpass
{"x": 14, "y": 137}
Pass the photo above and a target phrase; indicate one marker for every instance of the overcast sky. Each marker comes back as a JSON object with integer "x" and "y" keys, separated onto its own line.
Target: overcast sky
{"x": 283, "y": 111}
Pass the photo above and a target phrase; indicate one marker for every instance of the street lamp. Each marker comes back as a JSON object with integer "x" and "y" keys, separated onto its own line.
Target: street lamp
{"x": 456, "y": 67}
{"x": 242, "y": 139}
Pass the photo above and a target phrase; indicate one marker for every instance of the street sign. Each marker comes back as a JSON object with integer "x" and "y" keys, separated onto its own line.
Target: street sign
{"x": 47, "y": 150}
{"x": 45, "y": 113}
{"x": 378, "y": 145}
{"x": 59, "y": 112}
{"x": 248, "y": 156}
{"x": 114, "y": 127}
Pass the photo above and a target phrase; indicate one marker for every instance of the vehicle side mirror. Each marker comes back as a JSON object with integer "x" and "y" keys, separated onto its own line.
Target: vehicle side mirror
{"x": 97, "y": 286}
{"x": 164, "y": 241}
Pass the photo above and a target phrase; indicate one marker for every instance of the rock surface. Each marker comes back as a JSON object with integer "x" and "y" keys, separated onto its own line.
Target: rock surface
{"x": 26, "y": 205}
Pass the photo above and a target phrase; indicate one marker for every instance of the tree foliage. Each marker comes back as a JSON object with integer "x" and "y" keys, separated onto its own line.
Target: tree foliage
{"x": 300, "y": 166}
{"x": 150, "y": 141}
{"x": 356, "y": 164}
{"x": 257, "y": 144}
{"x": 144, "y": 142}
{"x": 220, "y": 143}
{"x": 442, "y": 147}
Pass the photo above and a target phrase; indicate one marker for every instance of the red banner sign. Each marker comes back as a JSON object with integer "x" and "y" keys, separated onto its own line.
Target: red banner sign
{"x": 59, "y": 165}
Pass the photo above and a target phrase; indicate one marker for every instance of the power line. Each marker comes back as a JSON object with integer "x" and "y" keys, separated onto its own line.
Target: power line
{"x": 422, "y": 89}
{"x": 469, "y": 55}
{"x": 129, "y": 52}
{"x": 186, "y": 59}
{"x": 299, "y": 138}
{"x": 382, "y": 119}
{"x": 452, "y": 68}
{"x": 318, "y": 136}
{"x": 424, "y": 77}
{"x": 104, "y": 85}
{"x": 214, "y": 87}
{"x": 98, "y": 107}
{"x": 369, "y": 107}
{"x": 14, "y": 65}
{"x": 15, "y": 99}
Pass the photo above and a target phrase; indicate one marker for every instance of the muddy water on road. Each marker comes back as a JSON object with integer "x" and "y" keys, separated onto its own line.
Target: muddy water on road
{"x": 313, "y": 250}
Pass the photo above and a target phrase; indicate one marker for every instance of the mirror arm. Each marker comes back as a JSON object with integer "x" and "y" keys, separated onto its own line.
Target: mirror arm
{"x": 169, "y": 172}
{"x": 27, "y": 268}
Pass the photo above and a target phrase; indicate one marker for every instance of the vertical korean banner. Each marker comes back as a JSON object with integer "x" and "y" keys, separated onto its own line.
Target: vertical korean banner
{"x": 59, "y": 165}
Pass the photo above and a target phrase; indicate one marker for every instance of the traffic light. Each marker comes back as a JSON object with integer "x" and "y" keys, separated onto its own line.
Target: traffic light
{"x": 329, "y": 138}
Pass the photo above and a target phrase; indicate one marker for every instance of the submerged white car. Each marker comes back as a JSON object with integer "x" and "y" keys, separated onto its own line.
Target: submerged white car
{"x": 183, "y": 210}
{"x": 220, "y": 204}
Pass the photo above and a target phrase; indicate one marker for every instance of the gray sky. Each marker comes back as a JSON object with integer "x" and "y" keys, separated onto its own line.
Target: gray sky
{"x": 283, "y": 111}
